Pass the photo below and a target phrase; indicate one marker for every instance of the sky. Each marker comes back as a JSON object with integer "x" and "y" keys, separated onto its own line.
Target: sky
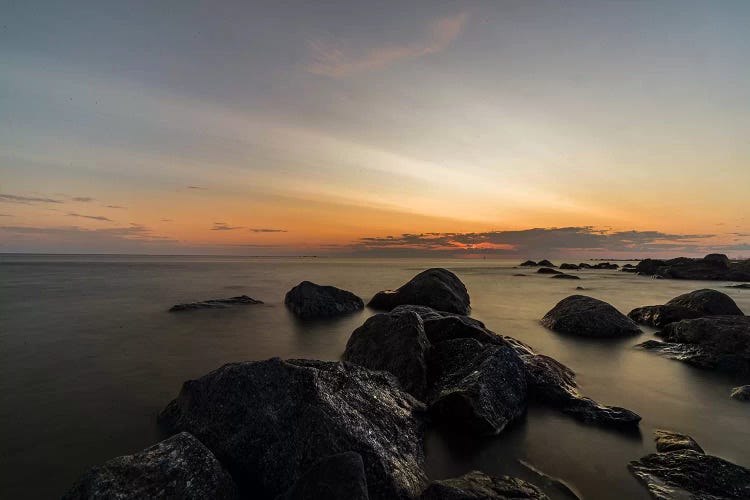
{"x": 451, "y": 128}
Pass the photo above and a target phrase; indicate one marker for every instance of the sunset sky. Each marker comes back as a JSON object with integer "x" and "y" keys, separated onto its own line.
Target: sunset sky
{"x": 506, "y": 128}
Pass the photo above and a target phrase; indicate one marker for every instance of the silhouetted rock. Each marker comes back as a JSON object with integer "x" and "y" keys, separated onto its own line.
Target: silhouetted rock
{"x": 588, "y": 317}
{"x": 711, "y": 267}
{"x": 548, "y": 270}
{"x": 717, "y": 258}
{"x": 584, "y": 265}
{"x": 270, "y": 421}
{"x": 477, "y": 485}
{"x": 215, "y": 303}
{"x": 569, "y": 266}
{"x": 529, "y": 263}
{"x": 741, "y": 393}
{"x": 479, "y": 388}
{"x": 716, "y": 342}
{"x": 176, "y": 468}
{"x": 545, "y": 263}
{"x": 309, "y": 300}
{"x": 605, "y": 265}
{"x": 437, "y": 288}
{"x": 690, "y": 474}
{"x": 673, "y": 441}
{"x": 565, "y": 277}
{"x": 396, "y": 343}
{"x": 338, "y": 477}
{"x": 707, "y": 302}
{"x": 661, "y": 315}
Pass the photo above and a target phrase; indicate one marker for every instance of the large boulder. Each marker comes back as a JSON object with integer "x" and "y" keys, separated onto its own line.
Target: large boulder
{"x": 270, "y": 421}
{"x": 477, "y": 485}
{"x": 715, "y": 342}
{"x": 478, "y": 388}
{"x": 394, "y": 342}
{"x": 338, "y": 477}
{"x": 661, "y": 315}
{"x": 588, "y": 317}
{"x": 308, "y": 300}
{"x": 180, "y": 467}
{"x": 707, "y": 302}
{"x": 690, "y": 474}
{"x": 437, "y": 288}
{"x": 711, "y": 267}
{"x": 215, "y": 303}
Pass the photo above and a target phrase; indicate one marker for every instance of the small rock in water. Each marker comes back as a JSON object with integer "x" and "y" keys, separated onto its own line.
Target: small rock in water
{"x": 545, "y": 263}
{"x": 588, "y": 317}
{"x": 215, "y": 303}
{"x": 569, "y": 266}
{"x": 707, "y": 302}
{"x": 741, "y": 393}
{"x": 548, "y": 270}
{"x": 673, "y": 441}
{"x": 309, "y": 300}
{"x": 477, "y": 485}
{"x": 565, "y": 277}
{"x": 529, "y": 263}
{"x": 437, "y": 288}
{"x": 744, "y": 286}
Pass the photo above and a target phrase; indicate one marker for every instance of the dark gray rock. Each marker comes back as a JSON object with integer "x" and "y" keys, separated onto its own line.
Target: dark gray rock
{"x": 741, "y": 393}
{"x": 742, "y": 286}
{"x": 673, "y": 441}
{"x": 565, "y": 277}
{"x": 584, "y": 265}
{"x": 569, "y": 266}
{"x": 548, "y": 270}
{"x": 719, "y": 259}
{"x": 711, "y": 267}
{"x": 215, "y": 303}
{"x": 308, "y": 300}
{"x": 545, "y": 263}
{"x": 270, "y": 421}
{"x": 396, "y": 343}
{"x": 477, "y": 485}
{"x": 588, "y": 317}
{"x": 686, "y": 474}
{"x": 478, "y": 388}
{"x": 437, "y": 288}
{"x": 338, "y": 477}
{"x": 440, "y": 326}
{"x": 529, "y": 263}
{"x": 177, "y": 468}
{"x": 604, "y": 265}
{"x": 661, "y": 315}
{"x": 707, "y": 302}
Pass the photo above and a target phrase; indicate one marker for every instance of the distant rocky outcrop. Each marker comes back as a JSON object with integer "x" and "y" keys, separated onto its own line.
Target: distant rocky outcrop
{"x": 437, "y": 288}
{"x": 741, "y": 393}
{"x": 269, "y": 422}
{"x": 691, "y": 305}
{"x": 714, "y": 342}
{"x": 548, "y": 270}
{"x": 309, "y": 300}
{"x": 711, "y": 267}
{"x": 686, "y": 472}
{"x": 545, "y": 263}
{"x": 569, "y": 266}
{"x": 178, "y": 467}
{"x": 215, "y": 303}
{"x": 588, "y": 317}
{"x": 563, "y": 276}
{"x": 529, "y": 263}
{"x": 477, "y": 485}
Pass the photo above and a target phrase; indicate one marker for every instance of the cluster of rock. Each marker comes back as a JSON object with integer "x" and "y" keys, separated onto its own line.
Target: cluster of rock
{"x": 710, "y": 267}
{"x": 531, "y": 263}
{"x": 215, "y": 303}
{"x": 681, "y": 469}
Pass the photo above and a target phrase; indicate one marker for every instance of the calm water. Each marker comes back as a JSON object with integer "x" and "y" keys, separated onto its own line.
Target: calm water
{"x": 90, "y": 355}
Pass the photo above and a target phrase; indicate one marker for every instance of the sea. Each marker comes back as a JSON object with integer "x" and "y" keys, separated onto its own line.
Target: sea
{"x": 89, "y": 355}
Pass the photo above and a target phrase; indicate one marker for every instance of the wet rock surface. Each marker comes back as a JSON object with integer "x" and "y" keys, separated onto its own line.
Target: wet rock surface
{"x": 711, "y": 267}
{"x": 477, "y": 485}
{"x": 661, "y": 315}
{"x": 309, "y": 300}
{"x": 215, "y": 303}
{"x": 270, "y": 421}
{"x": 437, "y": 288}
{"x": 707, "y": 302}
{"x": 673, "y": 441}
{"x": 338, "y": 477}
{"x": 180, "y": 467}
{"x": 588, "y": 317}
{"x": 741, "y": 393}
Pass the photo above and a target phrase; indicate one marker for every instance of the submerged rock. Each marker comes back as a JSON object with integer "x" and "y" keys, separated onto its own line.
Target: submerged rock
{"x": 178, "y": 467}
{"x": 270, "y": 421}
{"x": 338, "y": 477}
{"x": 477, "y": 485}
{"x": 711, "y": 267}
{"x": 565, "y": 277}
{"x": 309, "y": 300}
{"x": 215, "y": 303}
{"x": 686, "y": 473}
{"x": 569, "y": 266}
{"x": 548, "y": 270}
{"x": 673, "y": 441}
{"x": 741, "y": 393}
{"x": 479, "y": 388}
{"x": 437, "y": 288}
{"x": 396, "y": 343}
{"x": 588, "y": 317}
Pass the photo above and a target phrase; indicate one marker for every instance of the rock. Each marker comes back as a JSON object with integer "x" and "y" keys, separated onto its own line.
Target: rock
{"x": 741, "y": 393}
{"x": 715, "y": 342}
{"x": 545, "y": 263}
{"x": 215, "y": 303}
{"x": 479, "y": 388}
{"x": 686, "y": 473}
{"x": 477, "y": 485}
{"x": 562, "y": 276}
{"x": 605, "y": 265}
{"x": 628, "y": 270}
{"x": 580, "y": 288}
{"x": 176, "y": 468}
{"x": 569, "y": 266}
{"x": 742, "y": 286}
{"x": 395, "y": 343}
{"x": 529, "y": 263}
{"x": 588, "y": 317}
{"x": 338, "y": 477}
{"x": 441, "y": 326}
{"x": 707, "y": 302}
{"x": 584, "y": 265}
{"x": 308, "y": 300}
{"x": 437, "y": 288}
{"x": 548, "y": 270}
{"x": 519, "y": 274}
{"x": 628, "y": 266}
{"x": 270, "y": 421}
{"x": 553, "y": 384}
{"x": 661, "y": 315}
{"x": 673, "y": 441}
{"x": 711, "y": 267}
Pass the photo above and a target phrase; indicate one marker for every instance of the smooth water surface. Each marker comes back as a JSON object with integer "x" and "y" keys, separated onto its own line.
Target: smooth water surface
{"x": 89, "y": 355}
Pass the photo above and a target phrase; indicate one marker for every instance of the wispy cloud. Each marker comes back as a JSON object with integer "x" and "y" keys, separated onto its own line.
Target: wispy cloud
{"x": 131, "y": 238}
{"x": 263, "y": 230}
{"x": 92, "y": 217}
{"x": 6, "y": 215}
{"x": 223, "y": 226}
{"x": 114, "y": 206}
{"x": 196, "y": 187}
{"x": 12, "y": 198}
{"x": 336, "y": 61}
{"x": 83, "y": 199}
